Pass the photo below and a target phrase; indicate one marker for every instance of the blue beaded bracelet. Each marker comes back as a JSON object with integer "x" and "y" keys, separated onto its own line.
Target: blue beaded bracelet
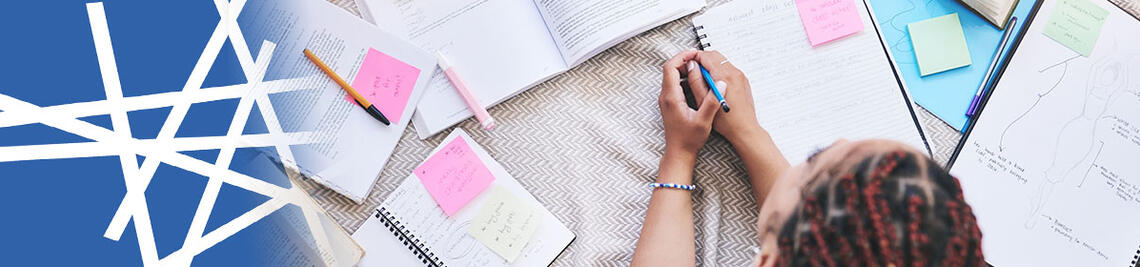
{"x": 674, "y": 186}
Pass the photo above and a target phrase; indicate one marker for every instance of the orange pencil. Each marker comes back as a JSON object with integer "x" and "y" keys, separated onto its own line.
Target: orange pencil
{"x": 371, "y": 109}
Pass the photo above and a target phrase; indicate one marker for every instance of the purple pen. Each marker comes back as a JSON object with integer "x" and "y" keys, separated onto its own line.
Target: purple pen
{"x": 993, "y": 65}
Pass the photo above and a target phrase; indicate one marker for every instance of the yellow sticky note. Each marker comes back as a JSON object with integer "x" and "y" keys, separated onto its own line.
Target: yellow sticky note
{"x": 939, "y": 44}
{"x": 1076, "y": 24}
{"x": 504, "y": 224}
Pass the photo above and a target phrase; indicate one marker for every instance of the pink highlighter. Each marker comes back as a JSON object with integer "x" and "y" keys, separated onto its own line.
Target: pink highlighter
{"x": 472, "y": 103}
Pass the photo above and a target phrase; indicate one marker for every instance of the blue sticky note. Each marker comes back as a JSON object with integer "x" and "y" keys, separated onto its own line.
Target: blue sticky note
{"x": 947, "y": 94}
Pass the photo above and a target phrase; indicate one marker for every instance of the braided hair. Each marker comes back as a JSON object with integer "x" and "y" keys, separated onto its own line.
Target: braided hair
{"x": 888, "y": 209}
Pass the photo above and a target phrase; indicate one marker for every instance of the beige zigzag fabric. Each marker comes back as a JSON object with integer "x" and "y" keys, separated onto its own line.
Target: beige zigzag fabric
{"x": 587, "y": 143}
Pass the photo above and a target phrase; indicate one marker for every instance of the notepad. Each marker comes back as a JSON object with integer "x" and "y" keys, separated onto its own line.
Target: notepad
{"x": 410, "y": 227}
{"x": 1076, "y": 24}
{"x": 808, "y": 97}
{"x": 939, "y": 44}
{"x": 386, "y": 82}
{"x": 454, "y": 175}
{"x": 827, "y": 20}
{"x": 504, "y": 224}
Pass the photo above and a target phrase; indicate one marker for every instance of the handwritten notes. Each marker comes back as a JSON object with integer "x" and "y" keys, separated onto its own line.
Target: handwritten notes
{"x": 939, "y": 44}
{"x": 385, "y": 81}
{"x": 504, "y": 224}
{"x": 1076, "y": 24}
{"x": 454, "y": 175}
{"x": 827, "y": 20}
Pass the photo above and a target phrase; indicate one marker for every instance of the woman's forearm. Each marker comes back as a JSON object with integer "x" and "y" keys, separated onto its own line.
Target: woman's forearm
{"x": 761, "y": 158}
{"x": 667, "y": 235}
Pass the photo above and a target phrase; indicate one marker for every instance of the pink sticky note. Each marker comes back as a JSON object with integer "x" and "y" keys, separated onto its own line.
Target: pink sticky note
{"x": 385, "y": 81}
{"x": 827, "y": 20}
{"x": 454, "y": 175}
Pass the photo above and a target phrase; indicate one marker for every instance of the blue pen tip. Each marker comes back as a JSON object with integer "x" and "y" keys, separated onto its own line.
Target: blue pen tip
{"x": 724, "y": 106}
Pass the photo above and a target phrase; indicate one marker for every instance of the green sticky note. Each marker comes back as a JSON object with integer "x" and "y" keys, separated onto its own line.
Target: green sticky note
{"x": 939, "y": 44}
{"x": 1076, "y": 24}
{"x": 505, "y": 223}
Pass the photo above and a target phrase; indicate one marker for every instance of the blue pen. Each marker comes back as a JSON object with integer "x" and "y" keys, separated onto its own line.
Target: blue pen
{"x": 712, "y": 87}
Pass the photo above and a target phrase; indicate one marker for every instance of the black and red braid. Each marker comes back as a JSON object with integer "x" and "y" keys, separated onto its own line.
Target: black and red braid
{"x": 892, "y": 209}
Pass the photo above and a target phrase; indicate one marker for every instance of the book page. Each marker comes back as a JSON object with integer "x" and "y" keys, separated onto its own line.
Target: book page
{"x": 584, "y": 28}
{"x": 447, "y": 237}
{"x": 344, "y": 148}
{"x": 498, "y": 48}
{"x": 1050, "y": 167}
{"x": 809, "y": 97}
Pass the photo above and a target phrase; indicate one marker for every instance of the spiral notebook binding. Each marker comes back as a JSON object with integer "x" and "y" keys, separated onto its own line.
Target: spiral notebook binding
{"x": 702, "y": 37}
{"x": 408, "y": 239}
{"x": 1135, "y": 258}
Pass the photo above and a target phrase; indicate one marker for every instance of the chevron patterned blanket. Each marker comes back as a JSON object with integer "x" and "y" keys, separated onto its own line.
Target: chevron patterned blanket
{"x": 588, "y": 142}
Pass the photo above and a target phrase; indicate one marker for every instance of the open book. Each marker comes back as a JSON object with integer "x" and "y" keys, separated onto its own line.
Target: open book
{"x": 994, "y": 11}
{"x": 501, "y": 48}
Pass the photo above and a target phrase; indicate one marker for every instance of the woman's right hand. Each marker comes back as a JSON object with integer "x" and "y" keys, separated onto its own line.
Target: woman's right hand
{"x": 740, "y": 122}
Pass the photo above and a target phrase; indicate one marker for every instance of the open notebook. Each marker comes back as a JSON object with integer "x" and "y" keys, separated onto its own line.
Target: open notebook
{"x": 1050, "y": 165}
{"x": 996, "y": 12}
{"x": 409, "y": 228}
{"x": 808, "y": 97}
{"x": 502, "y": 48}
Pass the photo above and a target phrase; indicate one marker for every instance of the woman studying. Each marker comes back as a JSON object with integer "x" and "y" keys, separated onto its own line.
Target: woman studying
{"x": 862, "y": 203}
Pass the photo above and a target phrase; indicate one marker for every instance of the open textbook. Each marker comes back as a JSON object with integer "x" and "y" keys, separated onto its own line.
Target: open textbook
{"x": 502, "y": 48}
{"x": 1050, "y": 166}
{"x": 808, "y": 97}
{"x": 410, "y": 229}
{"x": 336, "y": 142}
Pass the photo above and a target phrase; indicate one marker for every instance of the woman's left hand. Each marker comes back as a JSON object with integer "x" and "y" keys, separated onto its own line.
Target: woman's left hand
{"x": 686, "y": 130}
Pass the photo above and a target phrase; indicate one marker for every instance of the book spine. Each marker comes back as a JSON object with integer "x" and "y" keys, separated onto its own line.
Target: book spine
{"x": 409, "y": 239}
{"x": 702, "y": 37}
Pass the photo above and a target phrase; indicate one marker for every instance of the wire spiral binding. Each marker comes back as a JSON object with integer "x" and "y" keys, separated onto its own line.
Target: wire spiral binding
{"x": 701, "y": 37}
{"x": 1136, "y": 258}
{"x": 422, "y": 251}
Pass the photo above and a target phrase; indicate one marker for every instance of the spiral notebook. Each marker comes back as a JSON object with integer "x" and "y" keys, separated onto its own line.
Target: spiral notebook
{"x": 808, "y": 97}
{"x": 410, "y": 229}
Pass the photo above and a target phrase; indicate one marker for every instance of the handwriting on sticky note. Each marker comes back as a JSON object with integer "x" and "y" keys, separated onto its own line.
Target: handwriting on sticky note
{"x": 939, "y": 44}
{"x": 385, "y": 81}
{"x": 454, "y": 175}
{"x": 827, "y": 20}
{"x": 504, "y": 224}
{"x": 1076, "y": 24}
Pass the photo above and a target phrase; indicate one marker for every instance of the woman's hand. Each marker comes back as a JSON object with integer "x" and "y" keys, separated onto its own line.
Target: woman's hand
{"x": 686, "y": 130}
{"x": 740, "y": 123}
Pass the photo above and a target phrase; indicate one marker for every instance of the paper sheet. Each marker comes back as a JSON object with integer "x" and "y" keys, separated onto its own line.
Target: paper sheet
{"x": 348, "y": 147}
{"x": 386, "y": 82}
{"x": 809, "y": 97}
{"x": 1050, "y": 167}
{"x": 504, "y": 224}
{"x": 827, "y": 20}
{"x": 1076, "y": 24}
{"x": 939, "y": 44}
{"x": 454, "y": 175}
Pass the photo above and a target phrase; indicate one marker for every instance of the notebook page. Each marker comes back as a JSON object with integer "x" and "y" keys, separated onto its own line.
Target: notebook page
{"x": 584, "y": 28}
{"x": 381, "y": 246}
{"x": 499, "y": 48}
{"x": 347, "y": 148}
{"x": 809, "y": 97}
{"x": 447, "y": 237}
{"x": 1050, "y": 167}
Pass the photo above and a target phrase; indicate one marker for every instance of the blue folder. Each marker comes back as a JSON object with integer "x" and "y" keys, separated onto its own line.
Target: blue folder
{"x": 946, "y": 94}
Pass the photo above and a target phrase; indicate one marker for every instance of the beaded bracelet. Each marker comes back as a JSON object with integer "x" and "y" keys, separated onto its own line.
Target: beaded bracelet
{"x": 674, "y": 186}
